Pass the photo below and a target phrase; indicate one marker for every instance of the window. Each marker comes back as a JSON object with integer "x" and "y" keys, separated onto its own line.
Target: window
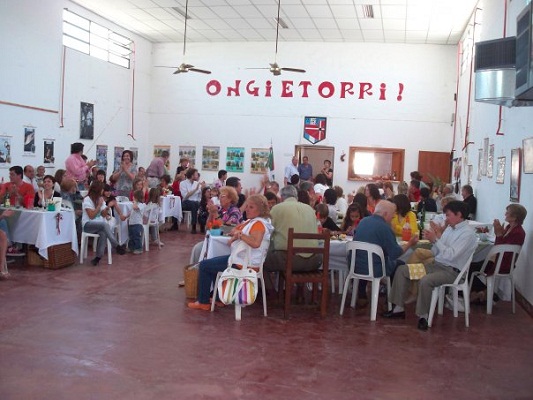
{"x": 91, "y": 38}
{"x": 375, "y": 163}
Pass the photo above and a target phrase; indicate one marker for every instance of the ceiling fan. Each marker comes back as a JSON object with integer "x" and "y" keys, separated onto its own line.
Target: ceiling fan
{"x": 184, "y": 67}
{"x": 274, "y": 67}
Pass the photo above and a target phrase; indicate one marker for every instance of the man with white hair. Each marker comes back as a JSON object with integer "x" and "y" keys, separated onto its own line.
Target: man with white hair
{"x": 290, "y": 170}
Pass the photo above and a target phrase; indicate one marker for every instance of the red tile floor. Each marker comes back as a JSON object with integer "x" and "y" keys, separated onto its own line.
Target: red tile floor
{"x": 124, "y": 332}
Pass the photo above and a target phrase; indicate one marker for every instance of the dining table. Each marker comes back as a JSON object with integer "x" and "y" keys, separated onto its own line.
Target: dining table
{"x": 42, "y": 228}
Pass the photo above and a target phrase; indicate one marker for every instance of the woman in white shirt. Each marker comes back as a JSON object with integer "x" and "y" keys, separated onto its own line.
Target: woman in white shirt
{"x": 93, "y": 221}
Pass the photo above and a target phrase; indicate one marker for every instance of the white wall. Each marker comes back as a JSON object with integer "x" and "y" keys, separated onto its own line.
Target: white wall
{"x": 31, "y": 72}
{"x": 183, "y": 113}
{"x": 516, "y": 125}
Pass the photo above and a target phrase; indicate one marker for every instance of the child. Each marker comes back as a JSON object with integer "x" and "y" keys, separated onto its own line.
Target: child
{"x": 151, "y": 213}
{"x": 351, "y": 219}
{"x": 135, "y": 225}
{"x": 214, "y": 196}
{"x": 322, "y": 215}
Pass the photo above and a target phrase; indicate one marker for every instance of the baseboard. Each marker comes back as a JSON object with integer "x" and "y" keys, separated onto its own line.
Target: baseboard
{"x": 526, "y": 305}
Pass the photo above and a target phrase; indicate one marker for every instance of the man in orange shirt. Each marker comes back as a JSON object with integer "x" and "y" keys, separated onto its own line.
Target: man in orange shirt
{"x": 17, "y": 189}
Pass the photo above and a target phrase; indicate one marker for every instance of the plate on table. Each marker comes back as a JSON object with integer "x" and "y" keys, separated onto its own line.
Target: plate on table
{"x": 424, "y": 241}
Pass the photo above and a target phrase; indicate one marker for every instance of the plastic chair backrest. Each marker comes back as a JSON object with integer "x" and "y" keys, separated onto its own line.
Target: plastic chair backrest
{"x": 370, "y": 249}
{"x": 196, "y": 252}
{"x": 498, "y": 251}
{"x": 463, "y": 275}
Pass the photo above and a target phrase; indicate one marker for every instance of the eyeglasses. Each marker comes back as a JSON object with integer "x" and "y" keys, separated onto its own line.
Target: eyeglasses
{"x": 223, "y": 195}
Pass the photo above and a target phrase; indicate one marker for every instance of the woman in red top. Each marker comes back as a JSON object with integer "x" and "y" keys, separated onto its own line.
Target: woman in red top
{"x": 512, "y": 233}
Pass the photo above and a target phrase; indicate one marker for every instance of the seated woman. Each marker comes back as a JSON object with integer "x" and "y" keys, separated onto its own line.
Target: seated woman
{"x": 140, "y": 184}
{"x": 93, "y": 222}
{"x": 403, "y": 215}
{"x": 47, "y": 194}
{"x": 165, "y": 186}
{"x": 322, "y": 214}
{"x": 351, "y": 219}
{"x": 426, "y": 202}
{"x": 203, "y": 212}
{"x": 330, "y": 199}
{"x": 228, "y": 211}
{"x": 255, "y": 232}
{"x": 512, "y": 233}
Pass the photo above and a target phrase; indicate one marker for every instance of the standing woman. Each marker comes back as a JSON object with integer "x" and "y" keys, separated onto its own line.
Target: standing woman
{"x": 93, "y": 222}
{"x": 47, "y": 193}
{"x": 76, "y": 167}
{"x": 125, "y": 175}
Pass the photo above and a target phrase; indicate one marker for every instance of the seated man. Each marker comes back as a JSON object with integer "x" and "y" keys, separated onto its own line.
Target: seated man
{"x": 291, "y": 214}
{"x": 376, "y": 229}
{"x": 191, "y": 192}
{"x": 451, "y": 249}
{"x": 468, "y": 197}
{"x": 17, "y": 190}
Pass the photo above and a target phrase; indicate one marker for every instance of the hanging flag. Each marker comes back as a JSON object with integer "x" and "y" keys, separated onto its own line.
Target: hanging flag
{"x": 271, "y": 163}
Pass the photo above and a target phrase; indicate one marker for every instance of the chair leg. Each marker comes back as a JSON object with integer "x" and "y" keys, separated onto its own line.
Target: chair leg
{"x": 215, "y": 292}
{"x": 513, "y": 297}
{"x": 146, "y": 237}
{"x": 332, "y": 279}
{"x": 324, "y": 302}
{"x": 455, "y": 294}
{"x": 344, "y": 294}
{"x": 374, "y": 300}
{"x": 434, "y": 299}
{"x": 490, "y": 293}
{"x": 466, "y": 297}
{"x": 109, "y": 250}
{"x": 441, "y": 299}
{"x": 83, "y": 248}
{"x": 287, "y": 305}
{"x": 263, "y": 292}
{"x": 389, "y": 304}
{"x": 238, "y": 310}
{"x": 355, "y": 289}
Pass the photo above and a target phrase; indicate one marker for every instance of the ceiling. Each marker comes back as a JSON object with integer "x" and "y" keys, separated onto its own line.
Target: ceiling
{"x": 395, "y": 21}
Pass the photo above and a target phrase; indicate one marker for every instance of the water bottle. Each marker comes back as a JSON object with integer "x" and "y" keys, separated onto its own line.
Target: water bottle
{"x": 422, "y": 221}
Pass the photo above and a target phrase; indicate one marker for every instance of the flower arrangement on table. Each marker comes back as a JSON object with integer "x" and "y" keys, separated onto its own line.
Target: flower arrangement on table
{"x": 214, "y": 224}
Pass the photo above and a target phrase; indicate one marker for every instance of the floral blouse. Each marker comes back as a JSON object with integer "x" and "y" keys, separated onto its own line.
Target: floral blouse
{"x": 231, "y": 216}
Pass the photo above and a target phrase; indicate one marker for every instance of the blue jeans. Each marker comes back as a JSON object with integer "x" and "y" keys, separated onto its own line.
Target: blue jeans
{"x": 135, "y": 233}
{"x": 208, "y": 274}
{"x": 102, "y": 228}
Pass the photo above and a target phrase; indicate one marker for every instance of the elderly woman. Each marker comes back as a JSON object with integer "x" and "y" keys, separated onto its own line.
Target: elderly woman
{"x": 403, "y": 215}
{"x": 228, "y": 211}
{"x": 75, "y": 165}
{"x": 125, "y": 175}
{"x": 93, "y": 222}
{"x": 512, "y": 233}
{"x": 255, "y": 232}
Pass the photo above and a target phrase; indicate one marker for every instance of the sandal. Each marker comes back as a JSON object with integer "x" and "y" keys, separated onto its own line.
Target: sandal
{"x": 199, "y": 306}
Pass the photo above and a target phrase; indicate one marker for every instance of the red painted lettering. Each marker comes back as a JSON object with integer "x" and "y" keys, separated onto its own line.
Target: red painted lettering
{"x": 268, "y": 88}
{"x": 235, "y": 89}
{"x": 346, "y": 87}
{"x": 305, "y": 85}
{"x": 253, "y": 91}
{"x": 382, "y": 89}
{"x": 364, "y": 87}
{"x": 213, "y": 87}
{"x": 326, "y": 86}
{"x": 286, "y": 88}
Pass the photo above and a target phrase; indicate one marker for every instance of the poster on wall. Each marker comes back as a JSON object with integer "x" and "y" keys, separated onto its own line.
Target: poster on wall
{"x": 469, "y": 169}
{"x": 158, "y": 149}
{"x": 235, "y": 159}
{"x": 117, "y": 158}
{"x": 101, "y": 156}
{"x": 479, "y": 164}
{"x": 190, "y": 153}
{"x": 210, "y": 158}
{"x": 500, "y": 176}
{"x": 457, "y": 173}
{"x": 86, "y": 121}
{"x": 484, "y": 164}
{"x": 528, "y": 155}
{"x": 515, "y": 175}
{"x": 490, "y": 162}
{"x": 314, "y": 129}
{"x": 29, "y": 140}
{"x": 5, "y": 151}
{"x": 259, "y": 164}
{"x": 48, "y": 152}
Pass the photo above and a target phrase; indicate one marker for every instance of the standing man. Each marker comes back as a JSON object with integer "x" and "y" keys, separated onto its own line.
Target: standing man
{"x": 305, "y": 170}
{"x": 468, "y": 197}
{"x": 290, "y": 170}
{"x": 327, "y": 171}
{"x": 451, "y": 250}
{"x": 157, "y": 169}
{"x": 235, "y": 183}
{"x": 191, "y": 193}
{"x": 29, "y": 177}
{"x": 291, "y": 214}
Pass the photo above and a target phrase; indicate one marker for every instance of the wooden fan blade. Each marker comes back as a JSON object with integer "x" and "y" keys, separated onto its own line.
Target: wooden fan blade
{"x": 257, "y": 68}
{"x": 202, "y": 71}
{"x": 165, "y": 66}
{"x": 293, "y": 70}
{"x": 179, "y": 70}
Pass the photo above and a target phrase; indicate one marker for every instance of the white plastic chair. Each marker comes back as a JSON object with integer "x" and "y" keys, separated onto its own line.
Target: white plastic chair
{"x": 341, "y": 271}
{"x": 371, "y": 250}
{"x": 196, "y": 253}
{"x": 187, "y": 218}
{"x": 85, "y": 243}
{"x": 489, "y": 280}
{"x": 460, "y": 283}
{"x": 260, "y": 278}
{"x": 152, "y": 221}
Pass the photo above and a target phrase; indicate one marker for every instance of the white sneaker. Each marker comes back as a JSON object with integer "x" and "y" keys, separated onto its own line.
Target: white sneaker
{"x": 449, "y": 303}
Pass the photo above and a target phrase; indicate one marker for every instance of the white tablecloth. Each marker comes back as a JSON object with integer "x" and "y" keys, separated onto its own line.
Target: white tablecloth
{"x": 125, "y": 209}
{"x": 170, "y": 207}
{"x": 43, "y": 228}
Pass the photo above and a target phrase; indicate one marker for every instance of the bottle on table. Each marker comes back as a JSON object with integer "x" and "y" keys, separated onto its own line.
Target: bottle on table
{"x": 422, "y": 221}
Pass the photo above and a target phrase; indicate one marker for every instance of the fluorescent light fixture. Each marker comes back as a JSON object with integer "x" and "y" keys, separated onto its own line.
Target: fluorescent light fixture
{"x": 282, "y": 23}
{"x": 367, "y": 11}
{"x": 181, "y": 12}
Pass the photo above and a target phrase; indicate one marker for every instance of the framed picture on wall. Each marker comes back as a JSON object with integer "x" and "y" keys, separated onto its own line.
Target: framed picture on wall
{"x": 188, "y": 152}
{"x": 485, "y": 156}
{"x": 29, "y": 140}
{"x": 101, "y": 156}
{"x": 48, "y": 152}
{"x": 500, "y": 176}
{"x": 490, "y": 162}
{"x": 235, "y": 159}
{"x": 5, "y": 151}
{"x": 210, "y": 158}
{"x": 479, "y": 164}
{"x": 469, "y": 169}
{"x": 117, "y": 158}
{"x": 527, "y": 145}
{"x": 259, "y": 163}
{"x": 86, "y": 121}
{"x": 515, "y": 175}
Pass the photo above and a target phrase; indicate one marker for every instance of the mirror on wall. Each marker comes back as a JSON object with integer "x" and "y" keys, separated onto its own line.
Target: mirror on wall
{"x": 375, "y": 163}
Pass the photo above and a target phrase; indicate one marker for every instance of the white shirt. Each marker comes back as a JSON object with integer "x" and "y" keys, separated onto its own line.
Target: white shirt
{"x": 291, "y": 170}
{"x": 187, "y": 186}
{"x": 88, "y": 204}
{"x": 32, "y": 182}
{"x": 455, "y": 245}
{"x": 320, "y": 189}
{"x": 136, "y": 216}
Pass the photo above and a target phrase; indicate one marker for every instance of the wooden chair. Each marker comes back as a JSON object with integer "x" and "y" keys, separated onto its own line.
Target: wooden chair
{"x": 315, "y": 277}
